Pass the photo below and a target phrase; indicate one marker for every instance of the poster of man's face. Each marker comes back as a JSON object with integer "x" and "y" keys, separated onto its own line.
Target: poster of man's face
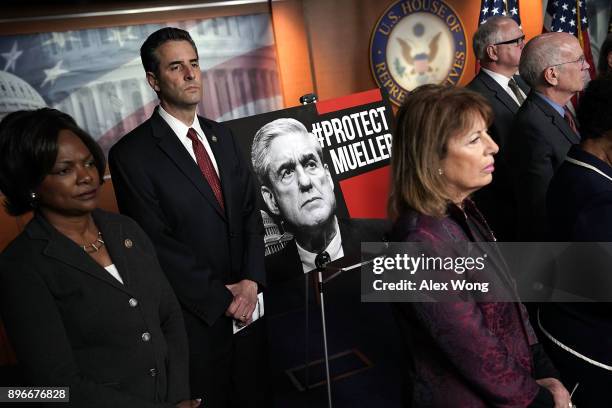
{"x": 298, "y": 176}
{"x": 295, "y": 183}
{"x": 297, "y": 189}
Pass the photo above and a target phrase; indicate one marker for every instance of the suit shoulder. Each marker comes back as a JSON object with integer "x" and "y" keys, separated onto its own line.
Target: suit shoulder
{"x": 17, "y": 248}
{"x": 217, "y": 127}
{"x": 475, "y": 84}
{"x": 136, "y": 138}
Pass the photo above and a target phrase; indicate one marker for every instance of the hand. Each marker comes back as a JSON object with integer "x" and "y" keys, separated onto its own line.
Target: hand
{"x": 194, "y": 403}
{"x": 245, "y": 300}
{"x": 560, "y": 394}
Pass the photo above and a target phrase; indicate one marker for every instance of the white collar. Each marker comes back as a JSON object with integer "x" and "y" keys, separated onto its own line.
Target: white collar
{"x": 334, "y": 249}
{"x": 497, "y": 77}
{"x": 179, "y": 128}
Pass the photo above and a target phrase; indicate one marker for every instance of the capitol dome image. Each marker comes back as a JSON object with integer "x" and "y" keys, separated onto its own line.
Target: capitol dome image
{"x": 17, "y": 94}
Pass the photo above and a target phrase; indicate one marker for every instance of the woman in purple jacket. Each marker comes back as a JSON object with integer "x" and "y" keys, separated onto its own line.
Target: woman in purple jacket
{"x": 464, "y": 353}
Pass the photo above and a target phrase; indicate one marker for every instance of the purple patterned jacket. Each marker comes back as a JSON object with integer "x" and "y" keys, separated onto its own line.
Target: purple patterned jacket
{"x": 463, "y": 354}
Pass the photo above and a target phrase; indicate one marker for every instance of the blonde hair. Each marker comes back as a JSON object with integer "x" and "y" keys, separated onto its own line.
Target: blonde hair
{"x": 430, "y": 116}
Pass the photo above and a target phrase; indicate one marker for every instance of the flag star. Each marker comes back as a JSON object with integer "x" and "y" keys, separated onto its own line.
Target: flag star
{"x": 556, "y": 3}
{"x": 560, "y": 30}
{"x": 59, "y": 39}
{"x": 564, "y": 6}
{"x": 562, "y": 19}
{"x": 11, "y": 57}
{"x": 584, "y": 20}
{"x": 495, "y": 10}
{"x": 485, "y": 10}
{"x": 514, "y": 11}
{"x": 572, "y": 23}
{"x": 571, "y": 32}
{"x": 579, "y": 3}
{"x": 504, "y": 13}
{"x": 574, "y": 10}
{"x": 53, "y": 73}
{"x": 483, "y": 21}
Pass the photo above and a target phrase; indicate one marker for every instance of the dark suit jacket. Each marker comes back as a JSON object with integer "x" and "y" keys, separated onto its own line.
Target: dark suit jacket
{"x": 73, "y": 324}
{"x": 496, "y": 201}
{"x": 540, "y": 141}
{"x": 580, "y": 210}
{"x": 450, "y": 346}
{"x": 201, "y": 247}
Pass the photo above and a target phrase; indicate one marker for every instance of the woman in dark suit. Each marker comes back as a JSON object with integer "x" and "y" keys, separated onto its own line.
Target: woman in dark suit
{"x": 463, "y": 353}
{"x": 82, "y": 295}
{"x": 578, "y": 336}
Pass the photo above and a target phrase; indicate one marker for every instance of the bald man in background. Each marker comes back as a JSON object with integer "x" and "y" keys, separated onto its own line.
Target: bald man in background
{"x": 553, "y": 64}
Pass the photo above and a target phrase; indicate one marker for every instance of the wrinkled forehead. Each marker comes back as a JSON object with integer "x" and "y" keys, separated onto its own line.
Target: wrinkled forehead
{"x": 293, "y": 147}
{"x": 570, "y": 48}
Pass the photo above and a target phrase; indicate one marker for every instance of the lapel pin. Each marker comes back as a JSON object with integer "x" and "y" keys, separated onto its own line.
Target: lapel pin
{"x": 213, "y": 138}
{"x": 128, "y": 243}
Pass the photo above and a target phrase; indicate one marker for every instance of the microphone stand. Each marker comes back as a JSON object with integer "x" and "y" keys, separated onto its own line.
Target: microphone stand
{"x": 321, "y": 261}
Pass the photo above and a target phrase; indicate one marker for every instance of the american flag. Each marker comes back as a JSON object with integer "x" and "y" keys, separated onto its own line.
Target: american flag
{"x": 96, "y": 76}
{"x": 570, "y": 16}
{"x": 491, "y": 8}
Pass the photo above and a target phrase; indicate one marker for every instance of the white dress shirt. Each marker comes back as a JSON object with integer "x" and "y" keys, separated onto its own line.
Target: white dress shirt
{"x": 180, "y": 129}
{"x": 502, "y": 80}
{"x": 112, "y": 269}
{"x": 334, "y": 249}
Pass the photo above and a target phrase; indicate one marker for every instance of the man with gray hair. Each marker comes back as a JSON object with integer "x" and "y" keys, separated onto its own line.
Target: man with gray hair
{"x": 498, "y": 44}
{"x": 297, "y": 188}
{"x": 553, "y": 64}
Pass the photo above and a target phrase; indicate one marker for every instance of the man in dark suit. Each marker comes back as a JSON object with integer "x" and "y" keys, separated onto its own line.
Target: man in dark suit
{"x": 553, "y": 65}
{"x": 497, "y": 45}
{"x": 182, "y": 178}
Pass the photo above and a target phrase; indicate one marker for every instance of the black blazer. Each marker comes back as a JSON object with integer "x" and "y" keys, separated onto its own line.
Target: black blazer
{"x": 73, "y": 324}
{"x": 496, "y": 200}
{"x": 579, "y": 204}
{"x": 200, "y": 247}
{"x": 540, "y": 141}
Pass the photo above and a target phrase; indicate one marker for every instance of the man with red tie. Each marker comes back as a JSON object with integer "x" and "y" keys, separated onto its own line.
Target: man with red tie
{"x": 543, "y": 131}
{"x": 182, "y": 178}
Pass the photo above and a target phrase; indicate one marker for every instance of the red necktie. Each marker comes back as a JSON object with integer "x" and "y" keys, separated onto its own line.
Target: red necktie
{"x": 206, "y": 166}
{"x": 567, "y": 115}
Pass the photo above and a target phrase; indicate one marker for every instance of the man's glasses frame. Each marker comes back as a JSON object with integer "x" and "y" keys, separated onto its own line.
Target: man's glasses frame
{"x": 516, "y": 41}
{"x": 580, "y": 59}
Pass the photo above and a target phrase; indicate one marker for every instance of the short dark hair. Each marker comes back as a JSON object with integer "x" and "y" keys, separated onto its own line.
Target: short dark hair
{"x": 148, "y": 54}
{"x": 606, "y": 48}
{"x": 28, "y": 150}
{"x": 594, "y": 109}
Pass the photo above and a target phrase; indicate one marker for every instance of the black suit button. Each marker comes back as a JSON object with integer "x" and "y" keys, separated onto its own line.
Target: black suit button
{"x": 133, "y": 302}
{"x": 146, "y": 336}
{"x": 153, "y": 372}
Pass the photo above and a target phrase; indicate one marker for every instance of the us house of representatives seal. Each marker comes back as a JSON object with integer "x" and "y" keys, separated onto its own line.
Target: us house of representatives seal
{"x": 417, "y": 42}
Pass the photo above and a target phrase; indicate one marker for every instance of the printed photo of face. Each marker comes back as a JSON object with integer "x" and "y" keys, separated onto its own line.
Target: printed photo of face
{"x": 300, "y": 190}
